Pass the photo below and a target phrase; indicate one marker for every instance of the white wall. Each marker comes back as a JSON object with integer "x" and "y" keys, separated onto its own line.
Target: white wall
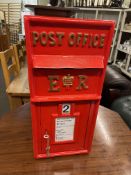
{"x": 19, "y": 1}
{"x": 10, "y": 1}
{"x": 33, "y": 2}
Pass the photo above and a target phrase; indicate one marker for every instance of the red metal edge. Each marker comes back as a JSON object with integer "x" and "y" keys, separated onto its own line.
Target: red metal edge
{"x": 91, "y": 122}
{"x": 71, "y": 61}
{"x": 55, "y": 20}
{"x": 66, "y": 153}
{"x": 58, "y": 98}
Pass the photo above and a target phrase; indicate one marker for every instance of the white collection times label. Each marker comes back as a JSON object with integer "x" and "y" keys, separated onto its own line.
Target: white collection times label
{"x": 64, "y": 129}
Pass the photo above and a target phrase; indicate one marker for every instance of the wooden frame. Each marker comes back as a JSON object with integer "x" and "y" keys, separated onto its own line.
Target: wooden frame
{"x": 5, "y": 57}
{"x": 18, "y": 51}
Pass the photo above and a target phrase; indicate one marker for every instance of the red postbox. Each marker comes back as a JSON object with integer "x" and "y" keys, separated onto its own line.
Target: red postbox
{"x": 66, "y": 61}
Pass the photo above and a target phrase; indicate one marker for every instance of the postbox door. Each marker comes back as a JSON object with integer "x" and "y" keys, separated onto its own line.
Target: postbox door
{"x": 65, "y": 100}
{"x": 64, "y": 127}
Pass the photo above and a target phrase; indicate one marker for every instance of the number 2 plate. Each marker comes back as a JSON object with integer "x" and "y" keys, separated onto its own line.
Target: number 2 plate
{"x": 66, "y": 109}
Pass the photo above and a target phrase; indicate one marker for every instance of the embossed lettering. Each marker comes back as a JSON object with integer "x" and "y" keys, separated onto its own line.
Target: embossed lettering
{"x": 102, "y": 39}
{"x": 60, "y": 36}
{"x": 95, "y": 40}
{"x": 52, "y": 39}
{"x": 54, "y": 87}
{"x": 72, "y": 39}
{"x": 82, "y": 82}
{"x": 90, "y": 42}
{"x": 79, "y": 36}
{"x": 43, "y": 38}
{"x": 35, "y": 36}
{"x": 85, "y": 39}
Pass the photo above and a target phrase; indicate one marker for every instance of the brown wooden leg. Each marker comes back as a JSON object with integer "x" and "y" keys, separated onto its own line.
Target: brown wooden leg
{"x": 14, "y": 102}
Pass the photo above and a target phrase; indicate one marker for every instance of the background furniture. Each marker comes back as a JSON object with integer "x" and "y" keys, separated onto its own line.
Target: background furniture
{"x": 13, "y": 19}
{"x": 122, "y": 58}
{"x": 51, "y": 11}
{"x": 9, "y": 66}
{"x": 4, "y": 42}
{"x": 123, "y": 107}
{"x": 18, "y": 90}
{"x": 23, "y": 45}
{"x": 4, "y": 34}
{"x": 115, "y": 85}
{"x": 16, "y": 79}
{"x": 98, "y": 3}
{"x": 20, "y": 56}
{"x": 110, "y": 153}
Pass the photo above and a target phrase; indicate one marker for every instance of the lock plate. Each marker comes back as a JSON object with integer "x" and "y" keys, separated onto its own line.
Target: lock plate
{"x": 47, "y": 149}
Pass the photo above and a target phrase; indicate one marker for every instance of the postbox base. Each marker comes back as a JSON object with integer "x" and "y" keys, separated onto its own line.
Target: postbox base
{"x": 38, "y": 156}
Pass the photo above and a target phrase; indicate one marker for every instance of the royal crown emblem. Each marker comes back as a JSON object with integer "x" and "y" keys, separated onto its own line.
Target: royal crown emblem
{"x": 68, "y": 80}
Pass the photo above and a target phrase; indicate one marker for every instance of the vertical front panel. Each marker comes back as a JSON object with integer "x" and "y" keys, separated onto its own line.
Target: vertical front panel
{"x": 66, "y": 131}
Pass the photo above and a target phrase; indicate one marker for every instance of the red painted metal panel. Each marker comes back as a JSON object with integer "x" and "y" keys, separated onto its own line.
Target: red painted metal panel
{"x": 66, "y": 63}
{"x": 41, "y": 75}
{"x": 60, "y": 61}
